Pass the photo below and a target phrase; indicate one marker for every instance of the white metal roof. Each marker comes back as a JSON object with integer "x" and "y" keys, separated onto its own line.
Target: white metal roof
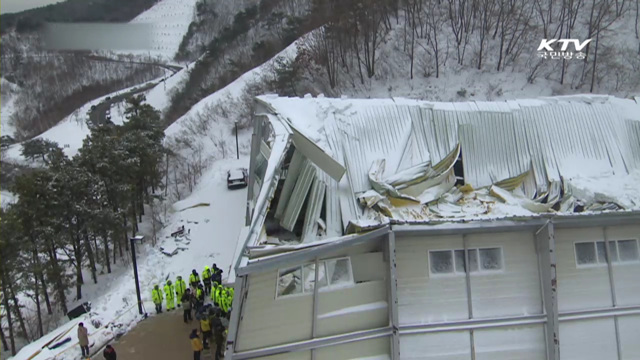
{"x": 562, "y": 149}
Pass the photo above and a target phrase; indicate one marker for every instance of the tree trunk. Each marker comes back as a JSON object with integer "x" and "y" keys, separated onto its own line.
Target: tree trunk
{"x": 18, "y": 313}
{"x": 37, "y": 299}
{"x": 57, "y": 274}
{"x": 595, "y": 62}
{"x": 107, "y": 261}
{"x": 7, "y": 309}
{"x": 77, "y": 251}
{"x": 47, "y": 301}
{"x": 5, "y": 346}
{"x": 92, "y": 260}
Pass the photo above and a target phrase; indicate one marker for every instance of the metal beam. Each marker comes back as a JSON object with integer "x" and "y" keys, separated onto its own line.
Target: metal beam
{"x": 449, "y": 227}
{"x": 599, "y": 313}
{"x": 545, "y": 239}
{"x": 236, "y": 306}
{"x": 315, "y": 343}
{"x": 612, "y": 286}
{"x": 308, "y": 254}
{"x": 314, "y": 319}
{"x": 472, "y": 324}
{"x": 467, "y": 271}
{"x": 392, "y": 286}
{"x": 460, "y": 228}
{"x": 596, "y": 220}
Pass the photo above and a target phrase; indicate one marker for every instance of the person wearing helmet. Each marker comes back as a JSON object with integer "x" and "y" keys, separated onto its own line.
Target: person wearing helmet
{"x": 156, "y": 296}
{"x": 199, "y": 297}
{"x": 217, "y": 274}
{"x": 194, "y": 279}
{"x": 180, "y": 288}
{"x": 206, "y": 279}
{"x": 169, "y": 292}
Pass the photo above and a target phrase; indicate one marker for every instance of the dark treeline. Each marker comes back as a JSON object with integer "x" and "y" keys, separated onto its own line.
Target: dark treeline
{"x": 76, "y": 214}
{"x": 74, "y": 11}
{"x": 228, "y": 56}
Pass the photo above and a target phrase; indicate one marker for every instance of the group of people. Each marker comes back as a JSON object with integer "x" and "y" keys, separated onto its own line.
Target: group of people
{"x": 194, "y": 295}
{"x": 213, "y": 316}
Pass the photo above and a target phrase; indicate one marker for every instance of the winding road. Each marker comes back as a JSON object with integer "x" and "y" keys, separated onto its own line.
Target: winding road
{"x": 98, "y": 115}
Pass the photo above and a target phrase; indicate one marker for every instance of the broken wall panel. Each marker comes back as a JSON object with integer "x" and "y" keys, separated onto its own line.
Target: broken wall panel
{"x": 298, "y": 196}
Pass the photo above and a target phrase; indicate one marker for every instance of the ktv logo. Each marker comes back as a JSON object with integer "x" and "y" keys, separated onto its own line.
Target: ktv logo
{"x": 546, "y": 49}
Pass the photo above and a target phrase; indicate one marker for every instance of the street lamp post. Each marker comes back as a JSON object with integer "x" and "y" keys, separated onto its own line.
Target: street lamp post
{"x": 135, "y": 270}
{"x": 237, "y": 147}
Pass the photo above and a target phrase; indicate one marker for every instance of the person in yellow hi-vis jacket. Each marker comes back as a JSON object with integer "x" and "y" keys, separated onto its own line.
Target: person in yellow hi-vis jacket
{"x": 215, "y": 293}
{"x": 181, "y": 287}
{"x": 156, "y": 296}
{"x": 169, "y": 292}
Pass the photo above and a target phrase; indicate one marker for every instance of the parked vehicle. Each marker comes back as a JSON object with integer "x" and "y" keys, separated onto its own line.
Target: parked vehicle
{"x": 237, "y": 178}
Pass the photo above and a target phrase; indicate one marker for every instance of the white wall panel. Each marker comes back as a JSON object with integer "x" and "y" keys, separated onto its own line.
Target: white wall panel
{"x": 522, "y": 343}
{"x": 593, "y": 339}
{"x": 516, "y": 289}
{"x": 629, "y": 328}
{"x": 425, "y": 299}
{"x": 373, "y": 348}
{"x": 267, "y": 321}
{"x": 436, "y": 346}
{"x": 626, "y": 277}
{"x": 580, "y": 288}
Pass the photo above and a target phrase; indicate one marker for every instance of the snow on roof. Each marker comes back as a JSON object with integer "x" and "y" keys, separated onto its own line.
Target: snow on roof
{"x": 411, "y": 161}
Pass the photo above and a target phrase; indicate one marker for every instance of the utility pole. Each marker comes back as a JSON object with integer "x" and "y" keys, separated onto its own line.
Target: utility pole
{"x": 135, "y": 270}
{"x": 237, "y": 147}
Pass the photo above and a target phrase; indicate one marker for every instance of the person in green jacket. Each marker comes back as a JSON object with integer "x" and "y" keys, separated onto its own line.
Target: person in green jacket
{"x": 215, "y": 293}
{"x": 223, "y": 302}
{"x": 156, "y": 296}
{"x": 181, "y": 287}
{"x": 206, "y": 279}
{"x": 169, "y": 291}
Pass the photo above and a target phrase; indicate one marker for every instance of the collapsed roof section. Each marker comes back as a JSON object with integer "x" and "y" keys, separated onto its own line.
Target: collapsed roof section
{"x": 339, "y": 166}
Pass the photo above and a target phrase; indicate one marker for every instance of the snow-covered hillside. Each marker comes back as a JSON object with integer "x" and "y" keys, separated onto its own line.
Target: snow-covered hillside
{"x": 169, "y": 20}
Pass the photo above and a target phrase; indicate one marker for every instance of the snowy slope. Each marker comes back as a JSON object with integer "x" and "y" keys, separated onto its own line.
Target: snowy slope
{"x": 169, "y": 20}
{"x": 7, "y": 103}
{"x": 213, "y": 231}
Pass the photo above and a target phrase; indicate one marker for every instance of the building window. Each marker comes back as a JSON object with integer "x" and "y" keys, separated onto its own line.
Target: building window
{"x": 453, "y": 261}
{"x": 594, "y": 252}
{"x": 332, "y": 274}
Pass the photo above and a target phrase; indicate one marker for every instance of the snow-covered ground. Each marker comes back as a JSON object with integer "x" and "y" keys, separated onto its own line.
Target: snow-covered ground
{"x": 212, "y": 216}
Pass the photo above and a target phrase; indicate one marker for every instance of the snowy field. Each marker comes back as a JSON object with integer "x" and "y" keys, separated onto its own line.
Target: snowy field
{"x": 212, "y": 216}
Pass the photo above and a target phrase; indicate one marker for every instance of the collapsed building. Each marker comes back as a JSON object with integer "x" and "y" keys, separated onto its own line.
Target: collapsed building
{"x": 405, "y": 229}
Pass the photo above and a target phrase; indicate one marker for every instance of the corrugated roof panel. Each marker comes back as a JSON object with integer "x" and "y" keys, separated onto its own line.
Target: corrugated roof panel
{"x": 332, "y": 209}
{"x": 295, "y": 167}
{"x": 314, "y": 207}
{"x": 298, "y": 196}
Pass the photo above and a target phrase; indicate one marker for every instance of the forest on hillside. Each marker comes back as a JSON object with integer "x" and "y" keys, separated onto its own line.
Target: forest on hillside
{"x": 76, "y": 214}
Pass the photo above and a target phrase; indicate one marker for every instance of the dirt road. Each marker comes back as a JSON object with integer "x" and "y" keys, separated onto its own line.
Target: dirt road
{"x": 161, "y": 337}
